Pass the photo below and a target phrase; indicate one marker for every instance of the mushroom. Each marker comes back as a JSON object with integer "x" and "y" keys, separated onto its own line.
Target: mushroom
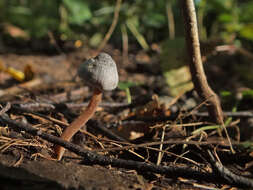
{"x": 101, "y": 74}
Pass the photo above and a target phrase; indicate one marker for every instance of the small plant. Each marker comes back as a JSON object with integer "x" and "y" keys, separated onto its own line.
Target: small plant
{"x": 126, "y": 86}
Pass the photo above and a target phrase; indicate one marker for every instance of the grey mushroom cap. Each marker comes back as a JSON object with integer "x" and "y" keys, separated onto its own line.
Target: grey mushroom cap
{"x": 100, "y": 72}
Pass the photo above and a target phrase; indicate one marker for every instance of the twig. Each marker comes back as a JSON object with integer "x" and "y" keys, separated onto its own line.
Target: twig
{"x": 5, "y": 109}
{"x": 47, "y": 106}
{"x": 228, "y": 114}
{"x": 171, "y": 21}
{"x": 106, "y": 132}
{"x": 175, "y": 142}
{"x": 196, "y": 67}
{"x": 112, "y": 27}
{"x": 228, "y": 175}
{"x": 160, "y": 154}
{"x": 233, "y": 49}
{"x": 103, "y": 104}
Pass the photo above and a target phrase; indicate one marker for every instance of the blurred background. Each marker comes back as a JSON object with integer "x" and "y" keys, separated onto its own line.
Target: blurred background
{"x": 144, "y": 22}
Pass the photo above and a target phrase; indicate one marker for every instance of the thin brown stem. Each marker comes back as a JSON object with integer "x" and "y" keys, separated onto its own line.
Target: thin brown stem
{"x": 196, "y": 66}
{"x": 75, "y": 126}
{"x": 171, "y": 21}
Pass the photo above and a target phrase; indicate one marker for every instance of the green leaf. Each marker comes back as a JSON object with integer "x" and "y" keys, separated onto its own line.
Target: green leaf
{"x": 248, "y": 93}
{"x": 247, "y": 145}
{"x": 96, "y": 39}
{"x": 210, "y": 127}
{"x": 225, "y": 93}
{"x": 225, "y": 17}
{"x": 139, "y": 37}
{"x": 125, "y": 85}
{"x": 154, "y": 19}
{"x": 79, "y": 11}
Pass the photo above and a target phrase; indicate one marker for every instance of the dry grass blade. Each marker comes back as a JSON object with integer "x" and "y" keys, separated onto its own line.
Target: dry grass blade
{"x": 9, "y": 142}
{"x": 5, "y": 109}
{"x": 160, "y": 154}
{"x": 21, "y": 158}
{"x": 174, "y": 142}
{"x": 131, "y": 151}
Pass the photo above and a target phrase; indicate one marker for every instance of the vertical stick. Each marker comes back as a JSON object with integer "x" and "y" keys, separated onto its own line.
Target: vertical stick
{"x": 196, "y": 66}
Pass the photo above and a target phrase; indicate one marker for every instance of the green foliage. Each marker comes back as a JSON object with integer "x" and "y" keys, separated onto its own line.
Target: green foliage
{"x": 213, "y": 127}
{"x": 246, "y": 145}
{"x": 144, "y": 21}
{"x": 35, "y": 17}
{"x": 247, "y": 31}
{"x": 79, "y": 11}
{"x": 71, "y": 17}
{"x": 228, "y": 19}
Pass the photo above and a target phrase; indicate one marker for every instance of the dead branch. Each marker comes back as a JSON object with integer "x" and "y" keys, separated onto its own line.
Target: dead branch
{"x": 222, "y": 171}
{"x": 196, "y": 66}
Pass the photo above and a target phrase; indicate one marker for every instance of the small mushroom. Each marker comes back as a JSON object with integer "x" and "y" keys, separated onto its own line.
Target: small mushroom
{"x": 101, "y": 74}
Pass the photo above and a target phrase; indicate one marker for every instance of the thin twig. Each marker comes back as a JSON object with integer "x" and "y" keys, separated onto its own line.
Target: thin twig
{"x": 196, "y": 67}
{"x": 175, "y": 142}
{"x": 5, "y": 109}
{"x": 228, "y": 114}
{"x": 171, "y": 21}
{"x": 47, "y": 106}
{"x": 160, "y": 154}
{"x": 228, "y": 175}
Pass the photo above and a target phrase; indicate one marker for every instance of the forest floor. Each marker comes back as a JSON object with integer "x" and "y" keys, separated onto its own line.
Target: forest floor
{"x": 153, "y": 128}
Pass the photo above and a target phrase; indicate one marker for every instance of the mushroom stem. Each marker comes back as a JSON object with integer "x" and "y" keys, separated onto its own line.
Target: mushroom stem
{"x": 75, "y": 126}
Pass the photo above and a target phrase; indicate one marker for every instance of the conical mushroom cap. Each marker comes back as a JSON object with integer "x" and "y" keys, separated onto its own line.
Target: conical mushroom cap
{"x": 100, "y": 72}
